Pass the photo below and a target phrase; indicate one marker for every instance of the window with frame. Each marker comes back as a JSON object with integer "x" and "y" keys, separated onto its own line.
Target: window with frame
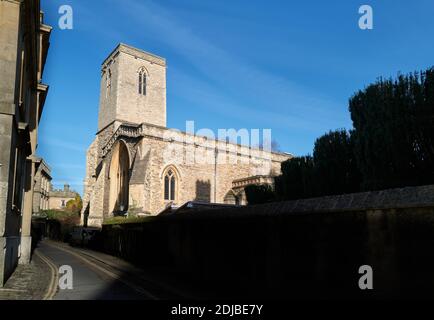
{"x": 142, "y": 82}
{"x": 109, "y": 82}
{"x": 170, "y": 186}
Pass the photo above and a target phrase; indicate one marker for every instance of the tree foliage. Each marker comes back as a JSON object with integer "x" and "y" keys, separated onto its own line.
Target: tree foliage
{"x": 394, "y": 131}
{"x": 75, "y": 205}
{"x": 335, "y": 164}
{"x": 391, "y": 144}
{"x": 331, "y": 170}
{"x": 257, "y": 194}
{"x": 297, "y": 180}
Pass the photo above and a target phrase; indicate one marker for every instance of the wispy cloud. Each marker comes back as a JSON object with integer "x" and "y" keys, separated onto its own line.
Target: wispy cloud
{"x": 51, "y": 143}
{"x": 204, "y": 97}
{"x": 71, "y": 182}
{"x": 68, "y": 166}
{"x": 263, "y": 90}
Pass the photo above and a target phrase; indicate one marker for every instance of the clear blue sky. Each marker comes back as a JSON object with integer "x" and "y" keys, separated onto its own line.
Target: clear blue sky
{"x": 286, "y": 65}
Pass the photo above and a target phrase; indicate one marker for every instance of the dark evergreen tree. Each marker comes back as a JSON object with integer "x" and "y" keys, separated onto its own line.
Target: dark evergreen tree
{"x": 336, "y": 170}
{"x": 258, "y": 194}
{"x": 393, "y": 130}
{"x": 297, "y": 180}
{"x": 424, "y": 138}
{"x": 391, "y": 145}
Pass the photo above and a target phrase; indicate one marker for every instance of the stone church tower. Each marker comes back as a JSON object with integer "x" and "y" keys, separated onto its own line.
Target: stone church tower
{"x": 133, "y": 88}
{"x": 137, "y": 165}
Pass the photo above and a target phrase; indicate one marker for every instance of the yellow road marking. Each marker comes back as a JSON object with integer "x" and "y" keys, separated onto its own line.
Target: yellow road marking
{"x": 12, "y": 290}
{"x": 52, "y": 288}
{"x": 107, "y": 272}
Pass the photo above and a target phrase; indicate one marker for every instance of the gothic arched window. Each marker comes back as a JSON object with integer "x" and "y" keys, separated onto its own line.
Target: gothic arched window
{"x": 142, "y": 82}
{"x": 170, "y": 185}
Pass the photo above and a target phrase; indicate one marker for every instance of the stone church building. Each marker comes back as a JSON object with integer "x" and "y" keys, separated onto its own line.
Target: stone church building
{"x": 138, "y": 165}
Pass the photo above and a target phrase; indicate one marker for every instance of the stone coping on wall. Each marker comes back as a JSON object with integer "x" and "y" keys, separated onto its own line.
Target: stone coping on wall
{"x": 399, "y": 198}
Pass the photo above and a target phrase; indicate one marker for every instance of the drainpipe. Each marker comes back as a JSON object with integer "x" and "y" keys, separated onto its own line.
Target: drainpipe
{"x": 215, "y": 174}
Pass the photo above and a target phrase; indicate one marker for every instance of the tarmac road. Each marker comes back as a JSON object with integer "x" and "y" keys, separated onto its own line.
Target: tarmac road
{"x": 91, "y": 279}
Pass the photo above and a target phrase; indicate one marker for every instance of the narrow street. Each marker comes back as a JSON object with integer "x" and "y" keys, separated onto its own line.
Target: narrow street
{"x": 92, "y": 278}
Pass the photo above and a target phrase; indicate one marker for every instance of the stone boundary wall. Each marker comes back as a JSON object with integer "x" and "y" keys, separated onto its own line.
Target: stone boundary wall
{"x": 409, "y": 197}
{"x": 297, "y": 249}
{"x": 391, "y": 199}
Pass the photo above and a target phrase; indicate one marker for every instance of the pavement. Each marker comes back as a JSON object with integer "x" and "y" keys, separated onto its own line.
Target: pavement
{"x": 28, "y": 282}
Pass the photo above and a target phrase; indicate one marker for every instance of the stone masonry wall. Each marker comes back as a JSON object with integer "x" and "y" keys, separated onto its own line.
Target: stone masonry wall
{"x": 153, "y": 148}
{"x": 198, "y": 178}
{"x": 9, "y": 221}
{"x": 120, "y": 100}
{"x": 135, "y": 107}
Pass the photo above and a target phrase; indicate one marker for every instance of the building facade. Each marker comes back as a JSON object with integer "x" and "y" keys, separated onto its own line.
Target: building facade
{"x": 44, "y": 196}
{"x": 42, "y": 186}
{"x": 138, "y": 165}
{"x": 58, "y": 198}
{"x": 24, "y": 40}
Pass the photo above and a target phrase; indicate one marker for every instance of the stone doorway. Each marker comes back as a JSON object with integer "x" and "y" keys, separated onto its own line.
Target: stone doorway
{"x": 119, "y": 179}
